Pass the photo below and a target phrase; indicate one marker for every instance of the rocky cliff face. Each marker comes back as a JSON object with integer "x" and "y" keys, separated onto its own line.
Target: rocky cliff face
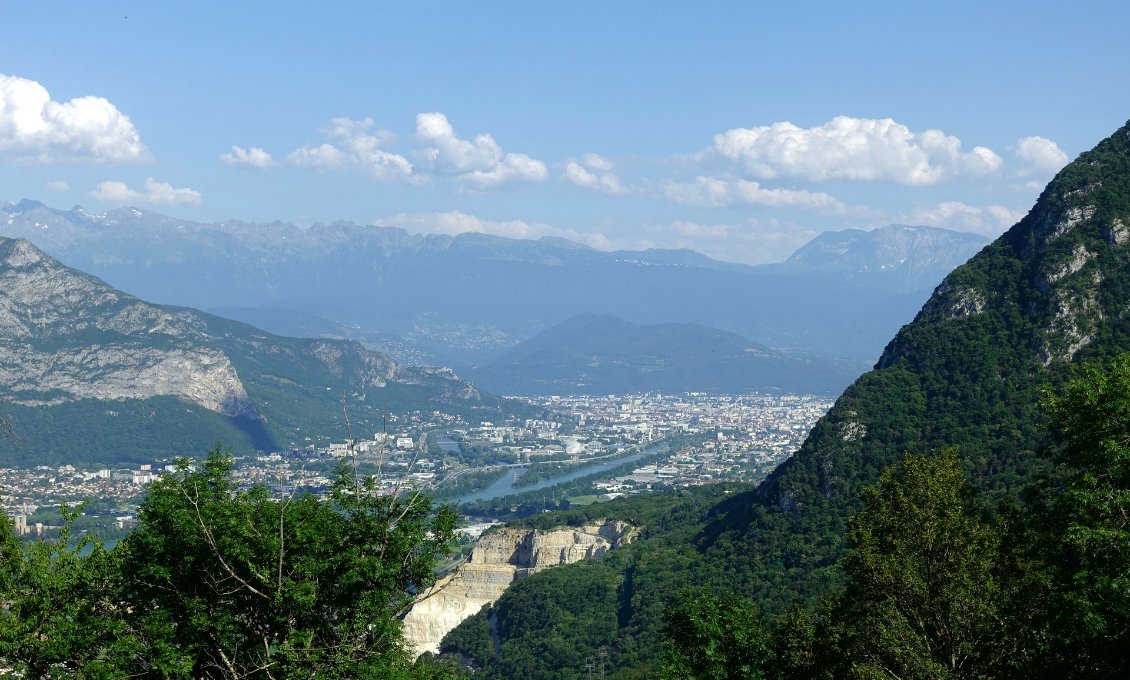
{"x": 66, "y": 336}
{"x": 199, "y": 376}
{"x": 498, "y": 559}
{"x": 1061, "y": 273}
{"x": 896, "y": 256}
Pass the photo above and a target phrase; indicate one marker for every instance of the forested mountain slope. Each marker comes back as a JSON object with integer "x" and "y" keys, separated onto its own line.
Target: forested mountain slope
{"x": 966, "y": 373}
{"x": 1050, "y": 292}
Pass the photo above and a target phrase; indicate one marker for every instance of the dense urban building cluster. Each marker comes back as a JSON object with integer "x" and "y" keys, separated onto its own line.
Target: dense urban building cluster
{"x": 743, "y": 437}
{"x": 751, "y": 433}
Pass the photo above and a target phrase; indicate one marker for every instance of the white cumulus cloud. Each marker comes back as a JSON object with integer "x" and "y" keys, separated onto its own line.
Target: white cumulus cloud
{"x": 455, "y": 222}
{"x": 989, "y": 220}
{"x": 480, "y": 162}
{"x": 112, "y": 191}
{"x": 254, "y": 157}
{"x": 716, "y": 192}
{"x": 321, "y": 157}
{"x": 1041, "y": 156}
{"x": 593, "y": 172}
{"x": 33, "y": 127}
{"x": 58, "y": 185}
{"x": 354, "y": 146}
{"x": 157, "y": 193}
{"x": 857, "y": 149}
{"x": 749, "y": 242}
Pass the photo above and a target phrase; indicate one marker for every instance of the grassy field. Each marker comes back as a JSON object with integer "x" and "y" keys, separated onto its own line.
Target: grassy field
{"x": 584, "y": 500}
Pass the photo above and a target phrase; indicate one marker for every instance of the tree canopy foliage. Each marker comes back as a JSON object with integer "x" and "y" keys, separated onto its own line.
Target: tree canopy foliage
{"x": 924, "y": 595}
{"x": 713, "y": 638}
{"x": 222, "y": 582}
{"x": 1090, "y": 512}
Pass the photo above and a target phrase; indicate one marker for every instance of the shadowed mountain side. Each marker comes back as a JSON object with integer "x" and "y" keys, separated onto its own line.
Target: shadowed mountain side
{"x": 299, "y": 324}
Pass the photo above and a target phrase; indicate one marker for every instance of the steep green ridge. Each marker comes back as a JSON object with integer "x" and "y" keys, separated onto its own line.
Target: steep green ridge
{"x": 604, "y": 354}
{"x": 1051, "y": 292}
{"x": 90, "y": 374}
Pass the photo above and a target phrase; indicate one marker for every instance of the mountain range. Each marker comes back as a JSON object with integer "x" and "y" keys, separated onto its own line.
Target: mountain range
{"x": 88, "y": 373}
{"x": 91, "y": 373}
{"x": 463, "y": 300}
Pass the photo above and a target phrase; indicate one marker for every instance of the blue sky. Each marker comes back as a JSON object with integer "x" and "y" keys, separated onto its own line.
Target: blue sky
{"x": 737, "y": 129}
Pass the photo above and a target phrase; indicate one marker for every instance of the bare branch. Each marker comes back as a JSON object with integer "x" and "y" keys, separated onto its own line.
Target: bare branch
{"x": 211, "y": 540}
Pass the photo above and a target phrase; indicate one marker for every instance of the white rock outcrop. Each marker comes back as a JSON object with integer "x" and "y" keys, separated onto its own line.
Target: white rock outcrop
{"x": 498, "y": 559}
{"x": 197, "y": 375}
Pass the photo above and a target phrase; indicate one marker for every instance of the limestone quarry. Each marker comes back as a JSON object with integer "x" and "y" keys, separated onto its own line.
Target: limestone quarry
{"x": 500, "y": 558}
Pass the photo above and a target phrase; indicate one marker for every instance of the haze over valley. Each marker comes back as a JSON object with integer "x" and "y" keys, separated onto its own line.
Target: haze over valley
{"x": 465, "y": 300}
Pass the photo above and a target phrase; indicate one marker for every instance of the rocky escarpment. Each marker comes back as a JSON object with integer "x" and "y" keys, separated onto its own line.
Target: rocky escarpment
{"x": 66, "y": 336}
{"x": 1057, "y": 279}
{"x": 77, "y": 355}
{"x": 499, "y": 559}
{"x": 200, "y": 376}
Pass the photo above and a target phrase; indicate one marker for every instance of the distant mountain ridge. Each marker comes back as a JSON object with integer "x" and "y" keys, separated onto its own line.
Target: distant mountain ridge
{"x": 897, "y": 256}
{"x": 604, "y": 354}
{"x": 87, "y": 371}
{"x": 61, "y": 228}
{"x": 468, "y": 297}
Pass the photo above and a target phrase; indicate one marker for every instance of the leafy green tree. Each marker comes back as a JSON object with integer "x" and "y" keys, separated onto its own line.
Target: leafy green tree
{"x": 800, "y": 640}
{"x": 60, "y": 615}
{"x": 714, "y": 638}
{"x": 923, "y": 598}
{"x": 1091, "y": 419}
{"x": 223, "y": 582}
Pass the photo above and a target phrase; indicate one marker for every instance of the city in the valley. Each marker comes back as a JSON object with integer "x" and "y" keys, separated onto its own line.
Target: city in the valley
{"x": 606, "y": 446}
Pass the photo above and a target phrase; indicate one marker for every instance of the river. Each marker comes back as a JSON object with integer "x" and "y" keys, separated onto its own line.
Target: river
{"x": 504, "y": 485}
